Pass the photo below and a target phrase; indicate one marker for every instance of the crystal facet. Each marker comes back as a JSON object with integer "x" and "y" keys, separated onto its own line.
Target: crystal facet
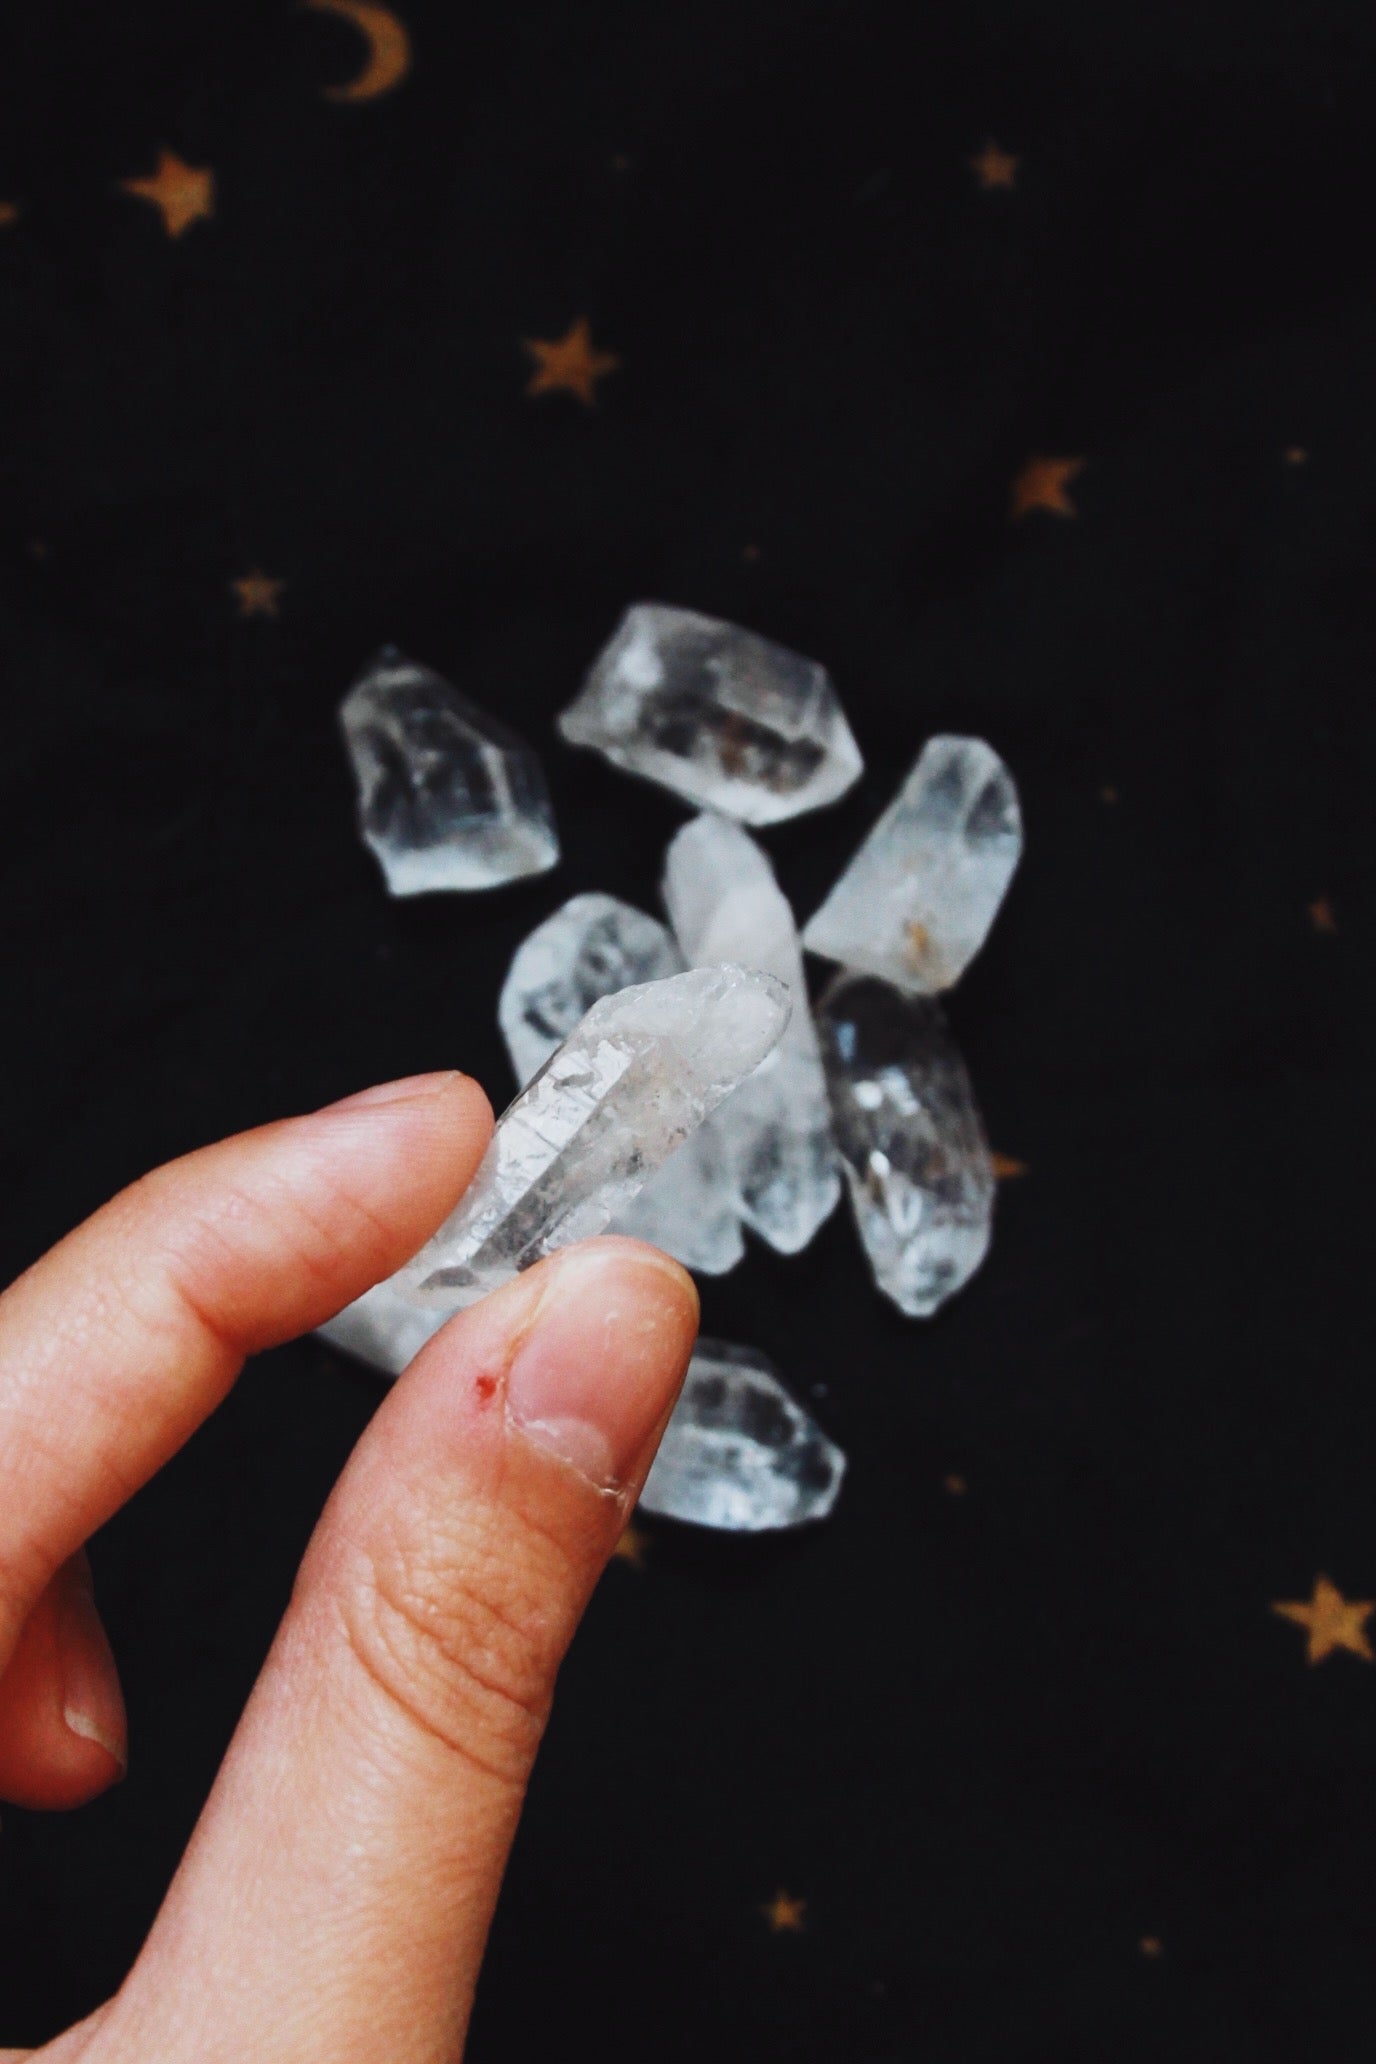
{"x": 591, "y": 947}
{"x": 717, "y": 714}
{"x": 916, "y": 903}
{"x": 738, "y": 1453}
{"x": 630, "y": 1083}
{"x": 448, "y": 797}
{"x": 725, "y": 904}
{"x": 911, "y": 1141}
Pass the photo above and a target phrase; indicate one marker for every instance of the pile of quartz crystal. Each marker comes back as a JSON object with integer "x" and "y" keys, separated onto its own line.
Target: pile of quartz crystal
{"x": 725, "y": 718}
{"x": 905, "y": 920}
{"x": 447, "y": 797}
{"x": 666, "y": 1089}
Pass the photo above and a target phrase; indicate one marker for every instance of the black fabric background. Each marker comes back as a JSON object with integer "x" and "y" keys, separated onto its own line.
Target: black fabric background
{"x": 995, "y": 1740}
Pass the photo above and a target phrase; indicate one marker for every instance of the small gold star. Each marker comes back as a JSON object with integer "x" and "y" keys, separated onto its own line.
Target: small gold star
{"x": 994, "y": 167}
{"x": 1332, "y": 1621}
{"x": 1108, "y": 793}
{"x": 182, "y": 193}
{"x": 1005, "y": 1168}
{"x": 1042, "y": 484}
{"x": 785, "y": 1914}
{"x": 569, "y": 364}
{"x": 1296, "y": 455}
{"x": 751, "y": 555}
{"x": 258, "y": 594}
{"x": 631, "y": 1546}
{"x": 1150, "y": 1945}
{"x": 1321, "y": 915}
{"x": 10, "y": 212}
{"x": 954, "y": 1486}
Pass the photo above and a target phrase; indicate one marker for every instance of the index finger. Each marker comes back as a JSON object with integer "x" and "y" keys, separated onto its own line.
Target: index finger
{"x": 120, "y": 1341}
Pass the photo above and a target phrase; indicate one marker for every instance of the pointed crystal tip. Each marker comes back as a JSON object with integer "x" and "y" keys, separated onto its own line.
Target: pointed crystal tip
{"x": 917, "y": 900}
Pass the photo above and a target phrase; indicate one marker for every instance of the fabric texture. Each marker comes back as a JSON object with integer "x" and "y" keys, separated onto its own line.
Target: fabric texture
{"x": 1017, "y": 363}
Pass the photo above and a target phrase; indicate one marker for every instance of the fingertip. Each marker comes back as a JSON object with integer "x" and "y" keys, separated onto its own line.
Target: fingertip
{"x": 63, "y": 1738}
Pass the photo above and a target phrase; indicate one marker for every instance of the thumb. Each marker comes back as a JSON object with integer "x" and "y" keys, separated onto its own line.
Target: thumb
{"x": 336, "y": 1896}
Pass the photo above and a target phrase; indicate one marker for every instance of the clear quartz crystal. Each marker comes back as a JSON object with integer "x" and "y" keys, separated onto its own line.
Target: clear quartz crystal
{"x": 725, "y": 904}
{"x": 916, "y": 903}
{"x": 912, "y": 1144}
{"x": 738, "y": 1453}
{"x": 629, "y": 1084}
{"x": 591, "y": 947}
{"x": 447, "y": 797}
{"x": 386, "y": 1327}
{"x": 718, "y": 714}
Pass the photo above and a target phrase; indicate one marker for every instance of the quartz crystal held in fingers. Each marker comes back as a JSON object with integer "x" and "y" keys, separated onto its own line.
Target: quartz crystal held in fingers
{"x": 630, "y": 1083}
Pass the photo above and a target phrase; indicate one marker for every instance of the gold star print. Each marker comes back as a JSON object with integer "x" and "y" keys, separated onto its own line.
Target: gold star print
{"x": 1150, "y": 1945}
{"x": 1005, "y": 1168}
{"x": 632, "y": 1546}
{"x": 9, "y": 214}
{"x": 785, "y": 1914}
{"x": 569, "y": 364}
{"x": 1331, "y": 1621}
{"x": 182, "y": 193}
{"x": 258, "y": 594}
{"x": 1042, "y": 484}
{"x": 1321, "y": 915}
{"x": 954, "y": 1486}
{"x": 1296, "y": 455}
{"x": 994, "y": 168}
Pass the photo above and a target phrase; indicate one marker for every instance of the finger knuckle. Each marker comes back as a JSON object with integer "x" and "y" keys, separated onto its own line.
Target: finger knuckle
{"x": 456, "y": 1631}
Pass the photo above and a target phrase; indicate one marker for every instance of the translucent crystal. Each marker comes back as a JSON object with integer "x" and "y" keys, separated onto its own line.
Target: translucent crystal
{"x": 630, "y": 1083}
{"x": 916, "y": 903}
{"x": 911, "y": 1141}
{"x": 386, "y": 1327}
{"x": 590, "y": 948}
{"x": 717, "y": 714}
{"x": 447, "y": 797}
{"x": 725, "y": 904}
{"x": 738, "y": 1453}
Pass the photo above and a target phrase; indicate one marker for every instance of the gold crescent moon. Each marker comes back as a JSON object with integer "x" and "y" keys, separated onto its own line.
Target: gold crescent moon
{"x": 389, "y": 47}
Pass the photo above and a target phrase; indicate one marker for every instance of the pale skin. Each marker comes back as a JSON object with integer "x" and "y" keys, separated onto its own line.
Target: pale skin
{"x": 335, "y": 1897}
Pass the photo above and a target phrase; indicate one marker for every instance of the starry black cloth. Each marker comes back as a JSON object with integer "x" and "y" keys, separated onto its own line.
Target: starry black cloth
{"x": 1053, "y": 1779}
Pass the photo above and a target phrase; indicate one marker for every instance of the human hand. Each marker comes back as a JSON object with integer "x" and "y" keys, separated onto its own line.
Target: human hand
{"x": 335, "y": 1898}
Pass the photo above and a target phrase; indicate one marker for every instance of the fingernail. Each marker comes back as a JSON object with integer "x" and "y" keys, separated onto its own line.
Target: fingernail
{"x": 600, "y": 1361}
{"x": 92, "y": 1703}
{"x": 403, "y": 1091}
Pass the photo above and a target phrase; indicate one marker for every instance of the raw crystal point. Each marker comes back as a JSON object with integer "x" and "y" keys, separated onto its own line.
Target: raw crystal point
{"x": 725, "y": 904}
{"x": 916, "y": 903}
{"x": 911, "y": 1141}
{"x": 717, "y": 714}
{"x": 629, "y": 1084}
{"x": 738, "y": 1453}
{"x": 591, "y": 947}
{"x": 448, "y": 797}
